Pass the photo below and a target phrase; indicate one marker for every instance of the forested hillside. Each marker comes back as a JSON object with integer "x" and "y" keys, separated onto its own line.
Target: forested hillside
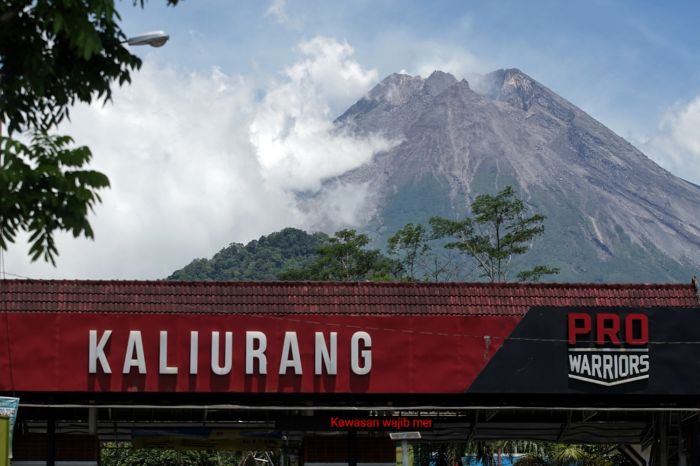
{"x": 483, "y": 246}
{"x": 261, "y": 259}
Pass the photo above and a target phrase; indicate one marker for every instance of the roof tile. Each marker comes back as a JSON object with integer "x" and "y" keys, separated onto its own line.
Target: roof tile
{"x": 335, "y": 298}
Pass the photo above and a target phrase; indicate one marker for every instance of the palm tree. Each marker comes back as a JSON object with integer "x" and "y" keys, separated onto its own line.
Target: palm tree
{"x": 530, "y": 453}
{"x": 560, "y": 454}
{"x": 490, "y": 453}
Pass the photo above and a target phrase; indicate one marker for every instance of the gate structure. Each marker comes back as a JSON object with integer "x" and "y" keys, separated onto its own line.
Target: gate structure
{"x": 304, "y": 364}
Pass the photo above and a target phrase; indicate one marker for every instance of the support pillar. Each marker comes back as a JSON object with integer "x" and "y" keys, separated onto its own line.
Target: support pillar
{"x": 694, "y": 443}
{"x": 352, "y": 448}
{"x": 662, "y": 429}
{"x": 682, "y": 445}
{"x": 92, "y": 421}
{"x": 51, "y": 438}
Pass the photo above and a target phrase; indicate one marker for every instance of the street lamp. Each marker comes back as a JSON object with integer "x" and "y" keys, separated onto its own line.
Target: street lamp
{"x": 154, "y": 39}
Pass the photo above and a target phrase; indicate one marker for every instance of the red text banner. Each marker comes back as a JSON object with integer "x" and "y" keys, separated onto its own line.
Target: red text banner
{"x": 115, "y": 352}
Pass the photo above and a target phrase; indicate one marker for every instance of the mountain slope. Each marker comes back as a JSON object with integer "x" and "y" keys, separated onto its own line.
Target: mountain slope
{"x": 613, "y": 214}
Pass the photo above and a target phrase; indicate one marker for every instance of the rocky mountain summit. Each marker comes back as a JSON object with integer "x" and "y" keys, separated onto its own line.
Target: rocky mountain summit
{"x": 612, "y": 213}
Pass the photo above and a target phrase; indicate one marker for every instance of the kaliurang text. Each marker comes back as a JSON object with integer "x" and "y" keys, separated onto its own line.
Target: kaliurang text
{"x": 255, "y": 347}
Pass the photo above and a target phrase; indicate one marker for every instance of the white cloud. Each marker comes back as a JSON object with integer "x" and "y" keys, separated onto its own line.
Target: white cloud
{"x": 454, "y": 60}
{"x": 198, "y": 161}
{"x": 399, "y": 49}
{"x": 676, "y": 144}
{"x": 293, "y": 133}
{"x": 341, "y": 205}
{"x": 278, "y": 10}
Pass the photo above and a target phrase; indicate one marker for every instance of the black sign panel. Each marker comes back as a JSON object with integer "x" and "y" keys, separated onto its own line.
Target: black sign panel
{"x": 598, "y": 350}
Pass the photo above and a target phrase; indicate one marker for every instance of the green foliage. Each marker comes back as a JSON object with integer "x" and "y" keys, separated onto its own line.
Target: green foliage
{"x": 409, "y": 245}
{"x": 343, "y": 257}
{"x": 534, "y": 274}
{"x": 43, "y": 188}
{"x": 261, "y": 259}
{"x": 497, "y": 231}
{"x": 418, "y": 260}
{"x": 121, "y": 454}
{"x": 559, "y": 454}
{"x": 529, "y": 453}
{"x": 53, "y": 53}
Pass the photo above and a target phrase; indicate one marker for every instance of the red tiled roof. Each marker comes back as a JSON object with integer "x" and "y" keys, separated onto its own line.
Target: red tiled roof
{"x": 329, "y": 297}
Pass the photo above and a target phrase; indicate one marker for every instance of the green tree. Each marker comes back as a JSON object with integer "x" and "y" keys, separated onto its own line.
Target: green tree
{"x": 560, "y": 454}
{"x": 122, "y": 454}
{"x": 47, "y": 174}
{"x": 344, "y": 257}
{"x": 539, "y": 453}
{"x": 261, "y": 259}
{"x": 53, "y": 53}
{"x": 409, "y": 245}
{"x": 497, "y": 231}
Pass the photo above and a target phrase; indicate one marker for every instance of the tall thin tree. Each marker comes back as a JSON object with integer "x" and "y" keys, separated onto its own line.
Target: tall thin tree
{"x": 498, "y": 230}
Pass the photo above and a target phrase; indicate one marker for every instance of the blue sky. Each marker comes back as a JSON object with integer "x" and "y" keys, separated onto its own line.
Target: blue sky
{"x": 624, "y": 62}
{"x": 224, "y": 124}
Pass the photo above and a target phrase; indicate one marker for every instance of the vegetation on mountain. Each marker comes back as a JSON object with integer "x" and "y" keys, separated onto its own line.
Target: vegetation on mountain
{"x": 497, "y": 231}
{"x": 53, "y": 53}
{"x": 345, "y": 257}
{"x": 421, "y": 257}
{"x": 262, "y": 259}
{"x": 410, "y": 246}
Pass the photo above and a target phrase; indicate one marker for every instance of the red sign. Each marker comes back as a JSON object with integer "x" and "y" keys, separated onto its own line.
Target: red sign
{"x": 614, "y": 329}
{"x": 118, "y": 352}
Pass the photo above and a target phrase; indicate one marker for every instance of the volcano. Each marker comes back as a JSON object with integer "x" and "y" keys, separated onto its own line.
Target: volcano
{"x": 613, "y": 214}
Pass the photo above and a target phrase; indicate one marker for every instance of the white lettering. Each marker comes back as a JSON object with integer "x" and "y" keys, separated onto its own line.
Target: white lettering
{"x": 97, "y": 352}
{"x": 228, "y": 354}
{"x": 325, "y": 356}
{"x": 194, "y": 352}
{"x": 256, "y": 343}
{"x": 253, "y": 352}
{"x": 644, "y": 363}
{"x": 624, "y": 367}
{"x": 290, "y": 345}
{"x": 607, "y": 367}
{"x": 163, "y": 367}
{"x": 366, "y": 354}
{"x": 575, "y": 363}
{"x": 595, "y": 366}
{"x": 634, "y": 364}
{"x": 134, "y": 353}
{"x": 586, "y": 366}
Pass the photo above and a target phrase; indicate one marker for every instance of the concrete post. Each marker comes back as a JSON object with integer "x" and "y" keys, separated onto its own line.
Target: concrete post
{"x": 694, "y": 444}
{"x": 662, "y": 427}
{"x": 50, "y": 438}
{"x": 92, "y": 421}
{"x": 352, "y": 448}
